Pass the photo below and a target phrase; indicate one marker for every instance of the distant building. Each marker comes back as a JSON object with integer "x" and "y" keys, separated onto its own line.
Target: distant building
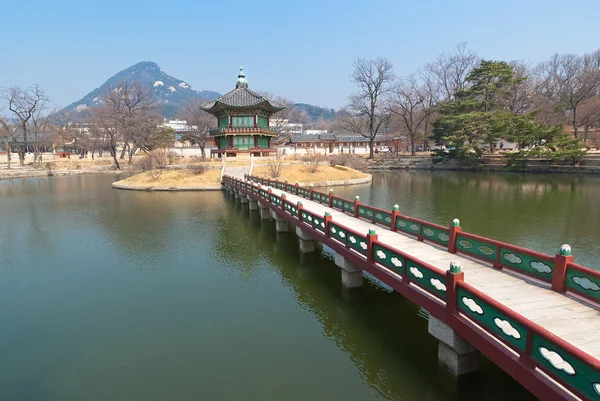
{"x": 330, "y": 143}
{"x": 285, "y": 127}
{"x": 315, "y": 132}
{"x": 177, "y": 125}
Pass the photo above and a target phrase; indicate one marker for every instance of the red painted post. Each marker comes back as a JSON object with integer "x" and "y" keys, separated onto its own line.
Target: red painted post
{"x": 453, "y": 276}
{"x": 310, "y": 195}
{"x": 454, "y": 230}
{"x": 269, "y": 195}
{"x": 276, "y": 182}
{"x": 420, "y": 236}
{"x": 331, "y": 197}
{"x": 371, "y": 236}
{"x": 285, "y": 185}
{"x": 327, "y": 219}
{"x": 525, "y": 357}
{"x": 282, "y": 202}
{"x": 560, "y": 268}
{"x": 297, "y": 187}
{"x": 395, "y": 214}
{"x": 356, "y": 203}
{"x": 299, "y": 207}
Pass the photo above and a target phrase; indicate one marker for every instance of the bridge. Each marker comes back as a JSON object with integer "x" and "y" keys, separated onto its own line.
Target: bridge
{"x": 536, "y": 316}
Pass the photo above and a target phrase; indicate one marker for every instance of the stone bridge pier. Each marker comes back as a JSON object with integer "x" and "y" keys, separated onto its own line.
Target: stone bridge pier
{"x": 352, "y": 276}
{"x": 307, "y": 243}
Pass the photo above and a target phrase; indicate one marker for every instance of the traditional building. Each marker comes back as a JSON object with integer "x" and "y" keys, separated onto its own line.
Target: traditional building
{"x": 243, "y": 121}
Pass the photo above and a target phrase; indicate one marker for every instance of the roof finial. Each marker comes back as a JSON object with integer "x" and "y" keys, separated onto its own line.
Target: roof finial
{"x": 241, "y": 82}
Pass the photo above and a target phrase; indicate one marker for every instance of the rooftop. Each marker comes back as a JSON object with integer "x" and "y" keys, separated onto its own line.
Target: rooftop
{"x": 241, "y": 97}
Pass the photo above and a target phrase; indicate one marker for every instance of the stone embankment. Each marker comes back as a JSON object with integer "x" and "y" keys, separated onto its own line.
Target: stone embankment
{"x": 590, "y": 164}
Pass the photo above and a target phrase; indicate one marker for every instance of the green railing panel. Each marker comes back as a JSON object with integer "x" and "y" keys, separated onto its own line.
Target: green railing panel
{"x": 290, "y": 208}
{"x": 306, "y": 217}
{"x": 316, "y": 196}
{"x": 583, "y": 283}
{"x": 358, "y": 243}
{"x": 571, "y": 370}
{"x": 384, "y": 218}
{"x": 319, "y": 223}
{"x": 348, "y": 206}
{"x": 365, "y": 212}
{"x": 390, "y": 259}
{"x": 290, "y": 188}
{"x": 338, "y": 232}
{"x": 475, "y": 247}
{"x": 435, "y": 234}
{"x": 337, "y": 203}
{"x": 489, "y": 317}
{"x": 407, "y": 226}
{"x": 303, "y": 192}
{"x": 527, "y": 263}
{"x": 430, "y": 281}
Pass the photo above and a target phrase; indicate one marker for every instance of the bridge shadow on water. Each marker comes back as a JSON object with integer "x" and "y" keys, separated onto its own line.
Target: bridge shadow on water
{"x": 382, "y": 333}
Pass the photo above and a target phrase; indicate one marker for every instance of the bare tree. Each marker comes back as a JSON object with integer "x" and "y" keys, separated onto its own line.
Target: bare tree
{"x": 8, "y": 133}
{"x": 520, "y": 94}
{"x": 589, "y": 115}
{"x": 128, "y": 117}
{"x": 411, "y": 108}
{"x": 369, "y": 108}
{"x": 570, "y": 80}
{"x": 451, "y": 69}
{"x": 198, "y": 122}
{"x": 25, "y": 105}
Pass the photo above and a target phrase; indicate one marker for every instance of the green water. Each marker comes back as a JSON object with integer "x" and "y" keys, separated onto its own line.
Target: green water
{"x": 118, "y": 295}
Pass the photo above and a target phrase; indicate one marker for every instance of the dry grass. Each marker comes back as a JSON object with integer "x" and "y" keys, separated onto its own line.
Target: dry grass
{"x": 299, "y": 172}
{"x": 74, "y": 163}
{"x": 171, "y": 178}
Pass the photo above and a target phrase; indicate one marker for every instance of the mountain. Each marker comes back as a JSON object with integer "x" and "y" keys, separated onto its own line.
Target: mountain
{"x": 315, "y": 113}
{"x": 173, "y": 93}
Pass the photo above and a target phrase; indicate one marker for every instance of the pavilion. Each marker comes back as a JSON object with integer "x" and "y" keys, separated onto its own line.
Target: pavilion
{"x": 243, "y": 121}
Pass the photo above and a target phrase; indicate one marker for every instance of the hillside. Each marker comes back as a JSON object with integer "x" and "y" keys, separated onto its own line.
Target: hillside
{"x": 173, "y": 93}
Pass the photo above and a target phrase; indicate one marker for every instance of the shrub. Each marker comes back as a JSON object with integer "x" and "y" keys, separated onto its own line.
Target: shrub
{"x": 339, "y": 160}
{"x": 313, "y": 161}
{"x": 197, "y": 169}
{"x": 275, "y": 165}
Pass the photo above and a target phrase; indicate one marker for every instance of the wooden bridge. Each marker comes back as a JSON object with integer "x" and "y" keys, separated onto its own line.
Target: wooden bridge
{"x": 536, "y": 316}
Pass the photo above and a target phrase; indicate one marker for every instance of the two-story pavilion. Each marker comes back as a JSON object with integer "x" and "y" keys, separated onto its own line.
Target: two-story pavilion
{"x": 243, "y": 121}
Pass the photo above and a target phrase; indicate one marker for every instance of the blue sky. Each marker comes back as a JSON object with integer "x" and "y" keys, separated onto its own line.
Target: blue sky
{"x": 302, "y": 50}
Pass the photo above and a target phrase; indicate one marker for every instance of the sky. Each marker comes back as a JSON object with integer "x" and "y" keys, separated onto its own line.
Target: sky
{"x": 302, "y": 50}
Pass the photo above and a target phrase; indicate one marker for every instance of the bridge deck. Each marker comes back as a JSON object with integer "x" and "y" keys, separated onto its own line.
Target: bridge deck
{"x": 575, "y": 322}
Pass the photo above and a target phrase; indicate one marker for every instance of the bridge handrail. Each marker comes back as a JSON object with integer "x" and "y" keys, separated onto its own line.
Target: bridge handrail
{"x": 536, "y": 346}
{"x": 539, "y": 265}
{"x": 583, "y": 281}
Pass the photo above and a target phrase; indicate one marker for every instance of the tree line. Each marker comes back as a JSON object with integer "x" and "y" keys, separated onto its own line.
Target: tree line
{"x": 466, "y": 105}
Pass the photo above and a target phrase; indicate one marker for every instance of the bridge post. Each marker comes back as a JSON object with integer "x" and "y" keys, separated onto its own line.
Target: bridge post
{"x": 238, "y": 194}
{"x": 307, "y": 243}
{"x": 395, "y": 214}
{"x": 560, "y": 268}
{"x": 265, "y": 212}
{"x": 454, "y": 230}
{"x": 243, "y": 198}
{"x": 356, "y": 203}
{"x": 352, "y": 276}
{"x": 252, "y": 203}
{"x": 281, "y": 223}
{"x": 454, "y": 352}
{"x": 331, "y": 198}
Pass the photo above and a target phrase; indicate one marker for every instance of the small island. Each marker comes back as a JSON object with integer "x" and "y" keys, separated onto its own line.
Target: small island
{"x": 201, "y": 179}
